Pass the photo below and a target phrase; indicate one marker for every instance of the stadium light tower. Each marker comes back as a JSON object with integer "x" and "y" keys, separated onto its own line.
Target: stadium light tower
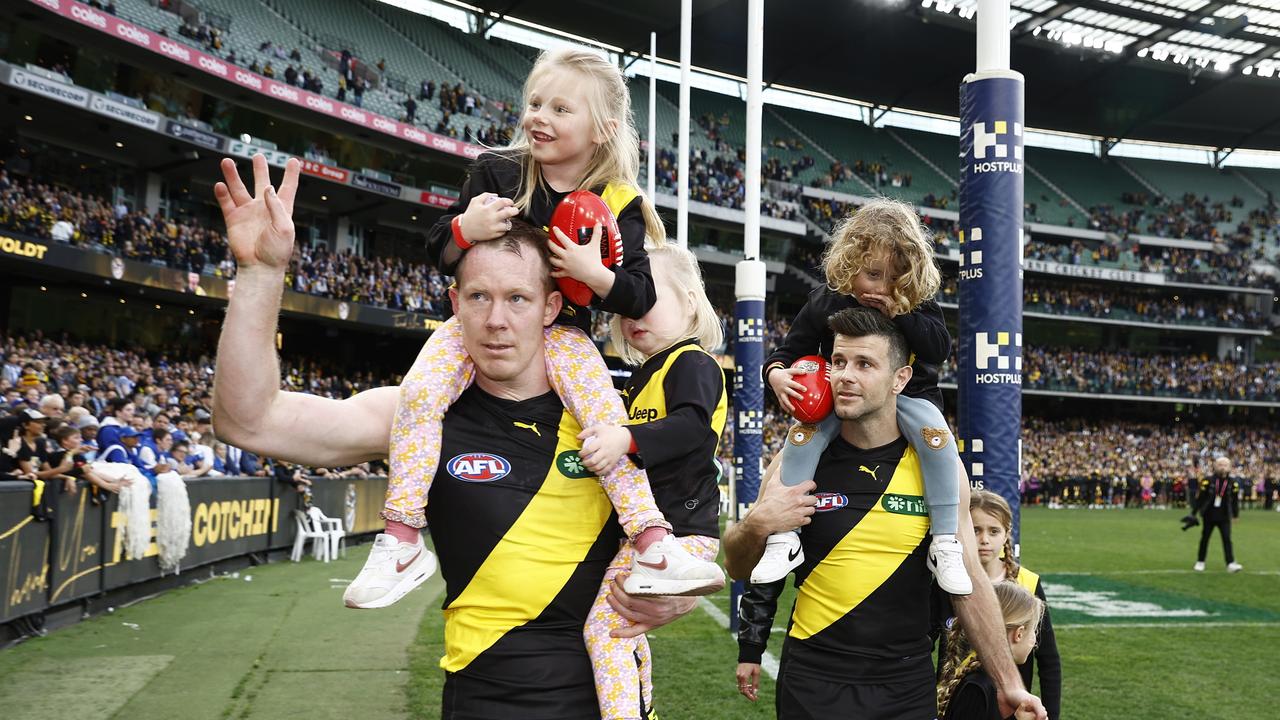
{"x": 686, "y": 57}
{"x": 653, "y": 120}
{"x": 748, "y": 390}
{"x": 989, "y": 416}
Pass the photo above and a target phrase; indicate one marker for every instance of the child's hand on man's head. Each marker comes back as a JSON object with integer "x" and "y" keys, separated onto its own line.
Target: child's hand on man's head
{"x": 883, "y": 303}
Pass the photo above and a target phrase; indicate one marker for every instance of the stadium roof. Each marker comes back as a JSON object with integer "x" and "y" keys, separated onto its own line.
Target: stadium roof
{"x": 1186, "y": 71}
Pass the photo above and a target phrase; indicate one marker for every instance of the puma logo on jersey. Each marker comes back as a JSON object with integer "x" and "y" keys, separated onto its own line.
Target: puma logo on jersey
{"x": 870, "y": 471}
{"x": 528, "y": 426}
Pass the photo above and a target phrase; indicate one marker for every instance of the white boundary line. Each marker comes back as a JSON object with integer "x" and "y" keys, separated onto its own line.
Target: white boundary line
{"x": 1153, "y": 572}
{"x": 768, "y": 662}
{"x": 1180, "y": 625}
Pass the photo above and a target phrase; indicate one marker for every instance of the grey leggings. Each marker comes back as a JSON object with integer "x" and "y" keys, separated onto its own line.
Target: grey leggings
{"x": 919, "y": 420}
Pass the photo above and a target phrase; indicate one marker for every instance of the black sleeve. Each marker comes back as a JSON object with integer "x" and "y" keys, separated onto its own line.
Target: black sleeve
{"x": 756, "y": 612}
{"x": 1203, "y": 497}
{"x": 484, "y": 176}
{"x": 1048, "y": 662}
{"x": 804, "y": 338}
{"x": 633, "y": 292}
{"x": 693, "y": 386}
{"x": 971, "y": 703}
{"x": 926, "y": 333}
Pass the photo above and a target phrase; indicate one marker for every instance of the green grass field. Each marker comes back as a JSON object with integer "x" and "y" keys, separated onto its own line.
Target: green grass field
{"x": 1141, "y": 636}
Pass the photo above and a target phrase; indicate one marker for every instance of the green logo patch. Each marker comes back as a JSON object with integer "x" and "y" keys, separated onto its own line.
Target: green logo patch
{"x": 570, "y": 464}
{"x": 1093, "y": 600}
{"x": 904, "y": 504}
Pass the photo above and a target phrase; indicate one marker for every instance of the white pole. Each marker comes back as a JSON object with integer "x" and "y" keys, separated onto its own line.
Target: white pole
{"x": 686, "y": 57}
{"x": 993, "y": 35}
{"x": 755, "y": 106}
{"x": 653, "y": 119}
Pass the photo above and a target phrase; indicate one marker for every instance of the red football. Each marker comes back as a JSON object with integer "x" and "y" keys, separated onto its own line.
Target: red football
{"x": 576, "y": 216}
{"x": 816, "y": 379}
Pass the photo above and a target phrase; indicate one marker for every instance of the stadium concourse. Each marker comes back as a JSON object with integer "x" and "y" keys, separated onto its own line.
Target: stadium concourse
{"x": 1151, "y": 298}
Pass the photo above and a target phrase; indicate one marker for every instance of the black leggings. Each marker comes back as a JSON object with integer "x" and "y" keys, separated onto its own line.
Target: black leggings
{"x": 1224, "y": 527}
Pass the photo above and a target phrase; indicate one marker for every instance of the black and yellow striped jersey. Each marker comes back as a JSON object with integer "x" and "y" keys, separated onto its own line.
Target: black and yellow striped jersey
{"x": 862, "y": 611}
{"x": 676, "y": 408}
{"x": 524, "y": 533}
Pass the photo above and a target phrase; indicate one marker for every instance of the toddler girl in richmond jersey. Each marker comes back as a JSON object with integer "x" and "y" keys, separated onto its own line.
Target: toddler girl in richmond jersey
{"x": 677, "y": 405}
{"x": 965, "y": 692}
{"x": 575, "y": 133}
{"x": 879, "y": 257}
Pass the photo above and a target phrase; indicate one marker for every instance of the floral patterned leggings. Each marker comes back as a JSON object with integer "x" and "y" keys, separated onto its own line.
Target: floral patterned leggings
{"x": 623, "y": 667}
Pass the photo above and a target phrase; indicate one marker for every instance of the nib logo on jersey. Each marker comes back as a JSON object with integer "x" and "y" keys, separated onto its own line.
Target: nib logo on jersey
{"x": 478, "y": 467}
{"x": 999, "y": 353}
{"x": 996, "y": 149}
{"x": 970, "y": 259}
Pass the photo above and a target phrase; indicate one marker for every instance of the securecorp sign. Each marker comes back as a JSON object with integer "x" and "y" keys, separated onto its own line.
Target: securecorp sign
{"x": 22, "y": 248}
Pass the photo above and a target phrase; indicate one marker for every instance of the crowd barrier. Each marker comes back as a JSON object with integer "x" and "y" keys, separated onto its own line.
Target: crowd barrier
{"x": 79, "y": 553}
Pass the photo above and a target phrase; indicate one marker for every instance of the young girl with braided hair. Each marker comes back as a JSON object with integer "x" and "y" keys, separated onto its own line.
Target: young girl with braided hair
{"x": 576, "y": 133}
{"x": 965, "y": 692}
{"x": 992, "y": 527}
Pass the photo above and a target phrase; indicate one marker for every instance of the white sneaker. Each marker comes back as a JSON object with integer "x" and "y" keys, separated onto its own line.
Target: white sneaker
{"x": 782, "y": 554}
{"x": 1199, "y": 567}
{"x": 946, "y": 560}
{"x": 666, "y": 568}
{"x": 392, "y": 570}
{"x": 1234, "y": 567}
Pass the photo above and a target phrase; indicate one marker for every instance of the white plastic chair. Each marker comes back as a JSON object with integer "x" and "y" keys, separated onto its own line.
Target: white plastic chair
{"x": 318, "y": 537}
{"x": 332, "y": 528}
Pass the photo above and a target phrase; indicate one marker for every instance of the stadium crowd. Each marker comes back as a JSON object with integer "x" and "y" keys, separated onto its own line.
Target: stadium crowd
{"x": 1112, "y": 464}
{"x": 1139, "y": 373}
{"x": 66, "y": 396}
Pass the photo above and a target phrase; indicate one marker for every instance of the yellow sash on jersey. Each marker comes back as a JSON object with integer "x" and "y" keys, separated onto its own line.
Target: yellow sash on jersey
{"x": 531, "y": 564}
{"x": 1028, "y": 580}
{"x": 653, "y": 396}
{"x": 617, "y": 196}
{"x": 864, "y": 559}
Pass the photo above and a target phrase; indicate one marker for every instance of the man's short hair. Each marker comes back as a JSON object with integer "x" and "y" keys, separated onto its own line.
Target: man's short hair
{"x": 116, "y": 404}
{"x": 864, "y": 322}
{"x": 159, "y": 434}
{"x": 522, "y": 236}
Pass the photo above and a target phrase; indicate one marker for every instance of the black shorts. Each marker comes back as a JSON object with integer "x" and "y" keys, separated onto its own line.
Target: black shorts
{"x": 801, "y": 698}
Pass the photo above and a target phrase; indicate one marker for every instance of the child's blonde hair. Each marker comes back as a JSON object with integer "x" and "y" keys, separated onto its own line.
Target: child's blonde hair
{"x": 617, "y": 160}
{"x": 1018, "y": 607}
{"x": 997, "y": 507}
{"x": 679, "y": 268}
{"x": 884, "y": 226}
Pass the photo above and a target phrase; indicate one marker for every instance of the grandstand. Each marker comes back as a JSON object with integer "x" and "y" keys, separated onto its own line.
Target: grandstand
{"x": 1151, "y": 290}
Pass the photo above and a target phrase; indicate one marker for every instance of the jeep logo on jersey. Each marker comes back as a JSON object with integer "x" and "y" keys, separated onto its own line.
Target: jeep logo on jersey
{"x": 570, "y": 465}
{"x": 830, "y": 501}
{"x": 479, "y": 467}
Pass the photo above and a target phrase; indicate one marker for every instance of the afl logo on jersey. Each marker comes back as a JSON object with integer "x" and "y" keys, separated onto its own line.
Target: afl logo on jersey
{"x": 830, "y": 501}
{"x": 479, "y": 467}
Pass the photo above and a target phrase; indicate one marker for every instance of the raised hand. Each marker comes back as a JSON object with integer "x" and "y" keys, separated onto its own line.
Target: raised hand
{"x": 259, "y": 226}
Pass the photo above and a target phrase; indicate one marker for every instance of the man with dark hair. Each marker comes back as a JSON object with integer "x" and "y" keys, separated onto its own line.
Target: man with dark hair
{"x": 119, "y": 415}
{"x": 513, "y": 643}
{"x": 858, "y": 642}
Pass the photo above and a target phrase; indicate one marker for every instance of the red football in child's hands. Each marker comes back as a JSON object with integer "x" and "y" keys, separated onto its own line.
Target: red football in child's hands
{"x": 576, "y": 216}
{"x": 816, "y": 403}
